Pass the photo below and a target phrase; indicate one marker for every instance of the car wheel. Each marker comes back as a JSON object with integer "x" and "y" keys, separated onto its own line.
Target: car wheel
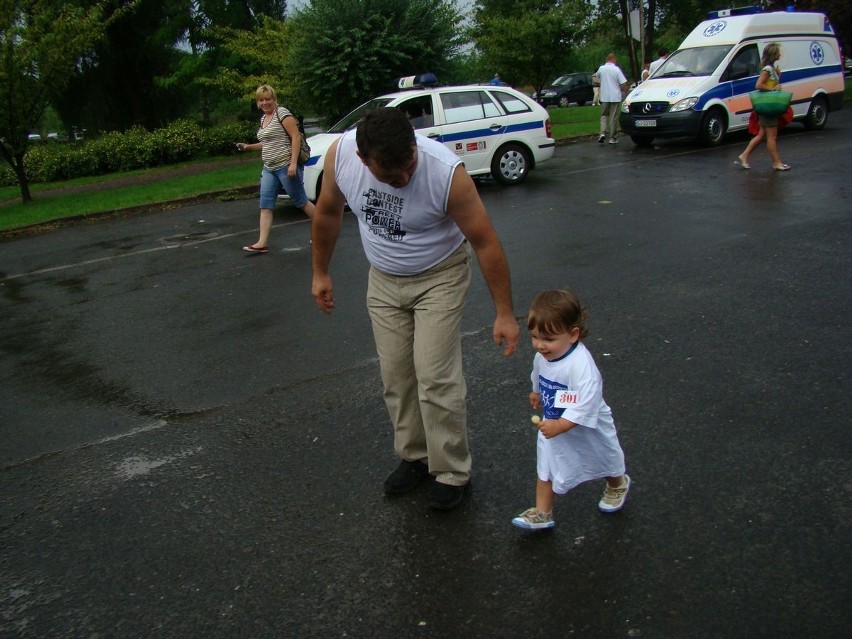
{"x": 563, "y": 101}
{"x": 712, "y": 130}
{"x": 510, "y": 164}
{"x": 642, "y": 140}
{"x": 817, "y": 114}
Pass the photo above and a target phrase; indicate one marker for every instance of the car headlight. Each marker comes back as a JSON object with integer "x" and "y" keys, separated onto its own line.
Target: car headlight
{"x": 683, "y": 105}
{"x": 548, "y": 94}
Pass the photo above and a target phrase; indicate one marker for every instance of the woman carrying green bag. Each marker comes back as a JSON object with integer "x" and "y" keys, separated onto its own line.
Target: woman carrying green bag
{"x": 769, "y": 80}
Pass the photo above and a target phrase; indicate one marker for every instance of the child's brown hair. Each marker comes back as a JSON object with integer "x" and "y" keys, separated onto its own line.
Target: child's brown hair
{"x": 558, "y": 311}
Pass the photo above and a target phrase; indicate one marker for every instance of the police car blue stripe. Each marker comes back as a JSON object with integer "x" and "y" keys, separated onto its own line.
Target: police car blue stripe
{"x": 525, "y": 126}
{"x": 484, "y": 133}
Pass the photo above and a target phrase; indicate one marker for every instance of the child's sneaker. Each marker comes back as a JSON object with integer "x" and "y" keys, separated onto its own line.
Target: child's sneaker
{"x": 613, "y": 498}
{"x": 534, "y": 519}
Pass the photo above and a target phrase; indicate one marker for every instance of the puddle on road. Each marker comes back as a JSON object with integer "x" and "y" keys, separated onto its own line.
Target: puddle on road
{"x": 138, "y": 466}
{"x": 185, "y": 238}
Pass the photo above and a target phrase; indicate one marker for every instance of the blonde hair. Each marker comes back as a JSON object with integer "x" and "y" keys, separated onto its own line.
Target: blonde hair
{"x": 770, "y": 53}
{"x": 263, "y": 91}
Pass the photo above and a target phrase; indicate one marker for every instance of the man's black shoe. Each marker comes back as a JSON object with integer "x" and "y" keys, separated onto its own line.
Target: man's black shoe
{"x": 445, "y": 497}
{"x": 406, "y": 477}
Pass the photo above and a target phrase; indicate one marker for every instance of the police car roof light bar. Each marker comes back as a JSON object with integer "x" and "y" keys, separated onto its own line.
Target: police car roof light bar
{"x": 418, "y": 81}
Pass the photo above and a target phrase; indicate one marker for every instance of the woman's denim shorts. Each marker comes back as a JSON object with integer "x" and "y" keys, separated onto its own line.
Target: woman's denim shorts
{"x": 272, "y": 182}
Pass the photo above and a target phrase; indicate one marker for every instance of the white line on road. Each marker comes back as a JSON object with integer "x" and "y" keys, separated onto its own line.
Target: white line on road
{"x": 110, "y": 258}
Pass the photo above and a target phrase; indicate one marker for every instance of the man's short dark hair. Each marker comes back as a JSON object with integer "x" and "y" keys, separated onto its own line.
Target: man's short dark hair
{"x": 386, "y": 135}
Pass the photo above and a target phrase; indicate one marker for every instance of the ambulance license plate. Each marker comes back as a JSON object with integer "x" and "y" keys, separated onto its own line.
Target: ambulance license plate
{"x": 643, "y": 123}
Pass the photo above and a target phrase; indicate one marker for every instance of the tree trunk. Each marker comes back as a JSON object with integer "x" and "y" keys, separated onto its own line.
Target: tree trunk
{"x": 635, "y": 65}
{"x": 203, "y": 105}
{"x": 21, "y": 174}
{"x": 16, "y": 161}
{"x": 651, "y": 30}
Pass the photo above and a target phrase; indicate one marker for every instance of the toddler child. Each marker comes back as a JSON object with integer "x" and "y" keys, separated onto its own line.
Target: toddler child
{"x": 577, "y": 441}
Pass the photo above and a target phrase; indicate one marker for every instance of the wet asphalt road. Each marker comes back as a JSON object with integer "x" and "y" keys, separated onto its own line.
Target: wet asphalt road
{"x": 191, "y": 449}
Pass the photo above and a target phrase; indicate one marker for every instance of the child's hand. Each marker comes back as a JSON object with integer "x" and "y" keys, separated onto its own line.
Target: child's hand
{"x": 553, "y": 427}
{"x": 535, "y": 400}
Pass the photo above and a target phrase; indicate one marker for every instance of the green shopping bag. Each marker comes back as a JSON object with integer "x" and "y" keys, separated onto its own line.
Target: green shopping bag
{"x": 770, "y": 103}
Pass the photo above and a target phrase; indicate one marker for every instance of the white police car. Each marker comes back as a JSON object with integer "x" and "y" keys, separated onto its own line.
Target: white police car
{"x": 495, "y": 130}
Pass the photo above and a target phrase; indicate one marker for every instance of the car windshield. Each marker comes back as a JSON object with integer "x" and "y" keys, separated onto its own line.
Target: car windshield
{"x": 351, "y": 120}
{"x": 564, "y": 80}
{"x": 692, "y": 62}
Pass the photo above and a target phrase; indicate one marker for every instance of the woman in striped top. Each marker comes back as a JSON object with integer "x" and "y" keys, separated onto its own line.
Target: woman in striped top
{"x": 279, "y": 141}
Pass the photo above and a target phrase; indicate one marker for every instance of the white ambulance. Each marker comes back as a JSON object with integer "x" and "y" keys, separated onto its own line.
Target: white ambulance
{"x": 495, "y": 130}
{"x": 702, "y": 88}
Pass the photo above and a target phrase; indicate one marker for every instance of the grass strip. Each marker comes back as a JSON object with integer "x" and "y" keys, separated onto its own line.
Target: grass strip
{"x": 49, "y": 206}
{"x": 575, "y": 121}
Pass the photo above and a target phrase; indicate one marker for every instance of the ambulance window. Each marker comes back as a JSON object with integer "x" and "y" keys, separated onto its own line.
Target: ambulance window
{"x": 466, "y": 105}
{"x": 511, "y": 103}
{"x": 745, "y": 64}
{"x": 693, "y": 61}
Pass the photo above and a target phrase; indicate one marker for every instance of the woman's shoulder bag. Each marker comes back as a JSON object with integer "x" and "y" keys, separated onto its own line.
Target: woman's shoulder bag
{"x": 305, "y": 149}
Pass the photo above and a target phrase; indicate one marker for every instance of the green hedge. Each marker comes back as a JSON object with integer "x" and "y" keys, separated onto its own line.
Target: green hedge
{"x": 137, "y": 148}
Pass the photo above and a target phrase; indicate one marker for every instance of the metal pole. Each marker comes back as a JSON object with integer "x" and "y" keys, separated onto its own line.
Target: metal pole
{"x": 641, "y": 37}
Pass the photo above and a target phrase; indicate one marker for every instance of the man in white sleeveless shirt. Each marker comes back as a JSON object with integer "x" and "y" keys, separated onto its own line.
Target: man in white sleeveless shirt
{"x": 417, "y": 210}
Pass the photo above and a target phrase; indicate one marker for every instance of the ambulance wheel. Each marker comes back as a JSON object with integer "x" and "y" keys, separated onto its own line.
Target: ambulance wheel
{"x": 510, "y": 164}
{"x": 817, "y": 114}
{"x": 712, "y": 130}
{"x": 642, "y": 140}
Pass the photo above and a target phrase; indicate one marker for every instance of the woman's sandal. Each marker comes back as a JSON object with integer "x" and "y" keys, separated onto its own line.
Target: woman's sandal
{"x": 782, "y": 167}
{"x": 741, "y": 164}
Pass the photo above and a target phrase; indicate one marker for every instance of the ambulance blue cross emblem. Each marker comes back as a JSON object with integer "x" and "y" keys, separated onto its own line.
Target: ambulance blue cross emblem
{"x": 817, "y": 53}
{"x": 715, "y": 28}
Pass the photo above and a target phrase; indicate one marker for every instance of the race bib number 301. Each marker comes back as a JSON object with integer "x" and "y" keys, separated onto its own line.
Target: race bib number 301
{"x": 565, "y": 398}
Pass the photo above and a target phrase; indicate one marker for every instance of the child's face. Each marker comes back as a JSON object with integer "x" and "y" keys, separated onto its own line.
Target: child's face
{"x": 553, "y": 347}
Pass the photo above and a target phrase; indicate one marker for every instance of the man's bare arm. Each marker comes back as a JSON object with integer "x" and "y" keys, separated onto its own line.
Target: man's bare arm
{"x": 467, "y": 210}
{"x": 325, "y": 229}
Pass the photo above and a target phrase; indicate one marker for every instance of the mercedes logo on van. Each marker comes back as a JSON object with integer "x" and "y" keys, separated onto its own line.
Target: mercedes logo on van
{"x": 715, "y": 28}
{"x": 647, "y": 108}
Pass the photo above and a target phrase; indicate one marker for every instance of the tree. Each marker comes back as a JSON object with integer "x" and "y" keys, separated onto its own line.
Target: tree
{"x": 212, "y": 30}
{"x": 41, "y": 44}
{"x": 144, "y": 71}
{"x": 347, "y": 51}
{"x": 114, "y": 87}
{"x": 529, "y": 41}
{"x": 254, "y": 57}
